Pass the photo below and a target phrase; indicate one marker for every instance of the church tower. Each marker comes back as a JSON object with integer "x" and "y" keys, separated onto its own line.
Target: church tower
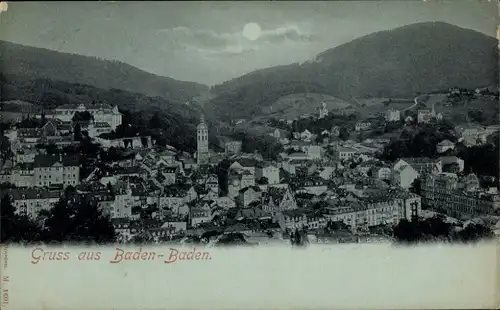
{"x": 323, "y": 110}
{"x": 202, "y": 142}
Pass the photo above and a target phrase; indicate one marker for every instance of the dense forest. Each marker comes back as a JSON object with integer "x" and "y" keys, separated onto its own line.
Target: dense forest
{"x": 34, "y": 63}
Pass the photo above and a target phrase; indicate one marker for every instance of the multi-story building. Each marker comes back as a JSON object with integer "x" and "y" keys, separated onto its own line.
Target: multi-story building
{"x": 345, "y": 153}
{"x": 277, "y": 200}
{"x": 23, "y": 175}
{"x": 239, "y": 180}
{"x": 404, "y": 175}
{"x": 30, "y": 201}
{"x": 54, "y": 170}
{"x": 300, "y": 219}
{"x": 250, "y": 194}
{"x": 420, "y": 164}
{"x": 268, "y": 171}
{"x": 96, "y": 129}
{"x": 386, "y": 208}
{"x": 233, "y": 147}
{"x": 447, "y": 193}
{"x": 102, "y": 113}
{"x": 382, "y": 173}
{"x": 123, "y": 203}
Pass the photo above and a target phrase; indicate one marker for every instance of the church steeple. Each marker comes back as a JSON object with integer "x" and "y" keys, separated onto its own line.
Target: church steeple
{"x": 202, "y": 141}
{"x": 202, "y": 123}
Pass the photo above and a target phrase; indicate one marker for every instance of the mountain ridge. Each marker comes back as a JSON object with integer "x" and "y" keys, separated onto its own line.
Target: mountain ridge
{"x": 401, "y": 62}
{"x": 35, "y": 62}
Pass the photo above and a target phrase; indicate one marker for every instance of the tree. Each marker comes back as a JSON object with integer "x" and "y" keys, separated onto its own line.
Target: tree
{"x": 416, "y": 186}
{"x": 77, "y": 132}
{"x": 263, "y": 181}
{"x": 74, "y": 219}
{"x": 344, "y": 133}
{"x": 51, "y": 149}
{"x": 16, "y": 227}
{"x": 222, "y": 175}
{"x": 474, "y": 233}
{"x": 155, "y": 121}
{"x": 405, "y": 231}
{"x": 5, "y": 149}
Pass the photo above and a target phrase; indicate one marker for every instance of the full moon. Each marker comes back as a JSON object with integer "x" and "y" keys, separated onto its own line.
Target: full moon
{"x": 251, "y": 31}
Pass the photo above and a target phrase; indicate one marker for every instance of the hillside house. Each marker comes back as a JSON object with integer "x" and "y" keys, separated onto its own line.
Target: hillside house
{"x": 445, "y": 145}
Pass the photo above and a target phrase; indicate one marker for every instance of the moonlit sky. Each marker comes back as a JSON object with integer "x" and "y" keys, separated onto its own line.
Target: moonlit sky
{"x": 203, "y": 41}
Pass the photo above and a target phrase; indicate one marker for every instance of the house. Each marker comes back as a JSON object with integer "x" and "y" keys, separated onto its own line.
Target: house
{"x": 246, "y": 164}
{"x": 326, "y": 173}
{"x": 23, "y": 175}
{"x": 225, "y": 202}
{"x": 209, "y": 195}
{"x": 212, "y": 183}
{"x": 169, "y": 174}
{"x": 278, "y": 199}
{"x": 313, "y": 151}
{"x": 123, "y": 202}
{"x": 199, "y": 215}
{"x": 290, "y": 166}
{"x": 425, "y": 115}
{"x": 299, "y": 155}
{"x": 313, "y": 185}
{"x": 233, "y": 147}
{"x": 96, "y": 129}
{"x": 269, "y": 171}
{"x": 249, "y": 194}
{"x": 451, "y": 164}
{"x": 5, "y": 176}
{"x": 25, "y": 155}
{"x": 56, "y": 170}
{"x": 444, "y": 146}
{"x": 392, "y": 115}
{"x": 188, "y": 163}
{"x": 306, "y": 135}
{"x": 238, "y": 180}
{"x": 420, "y": 164}
{"x": 362, "y": 126}
{"x": 250, "y": 213}
{"x": 404, "y": 175}
{"x": 345, "y": 153}
{"x": 30, "y": 201}
{"x": 382, "y": 173}
{"x": 168, "y": 156}
{"x": 300, "y": 219}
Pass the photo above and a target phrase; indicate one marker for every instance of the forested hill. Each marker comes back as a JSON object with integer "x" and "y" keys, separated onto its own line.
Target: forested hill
{"x": 35, "y": 63}
{"x": 177, "y": 121}
{"x": 402, "y": 62}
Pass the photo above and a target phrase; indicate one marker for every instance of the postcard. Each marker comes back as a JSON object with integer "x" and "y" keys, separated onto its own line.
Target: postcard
{"x": 249, "y": 155}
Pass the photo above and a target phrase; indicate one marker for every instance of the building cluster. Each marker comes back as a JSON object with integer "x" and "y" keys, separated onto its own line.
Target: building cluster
{"x": 168, "y": 194}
